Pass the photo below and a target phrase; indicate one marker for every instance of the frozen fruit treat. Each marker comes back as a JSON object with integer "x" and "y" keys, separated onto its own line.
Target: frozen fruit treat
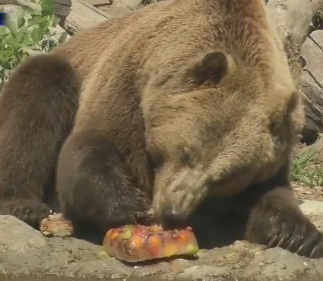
{"x": 135, "y": 243}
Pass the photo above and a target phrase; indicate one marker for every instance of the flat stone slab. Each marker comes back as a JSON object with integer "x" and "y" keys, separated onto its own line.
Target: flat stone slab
{"x": 26, "y": 254}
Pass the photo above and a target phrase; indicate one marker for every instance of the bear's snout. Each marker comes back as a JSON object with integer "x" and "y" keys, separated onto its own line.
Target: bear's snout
{"x": 177, "y": 195}
{"x": 173, "y": 216}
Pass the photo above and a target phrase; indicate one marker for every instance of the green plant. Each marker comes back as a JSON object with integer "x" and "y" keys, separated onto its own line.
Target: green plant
{"x": 29, "y": 28}
{"x": 305, "y": 169}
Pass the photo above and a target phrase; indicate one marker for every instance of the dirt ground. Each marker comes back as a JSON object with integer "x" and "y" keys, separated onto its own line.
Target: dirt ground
{"x": 308, "y": 192}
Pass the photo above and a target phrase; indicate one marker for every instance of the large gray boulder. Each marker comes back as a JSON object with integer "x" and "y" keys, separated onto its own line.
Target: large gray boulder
{"x": 26, "y": 252}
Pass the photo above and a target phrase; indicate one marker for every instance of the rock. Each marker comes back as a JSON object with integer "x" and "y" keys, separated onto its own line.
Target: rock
{"x": 13, "y": 10}
{"x": 310, "y": 207}
{"x": 18, "y": 237}
{"x": 311, "y": 85}
{"x": 62, "y": 10}
{"x": 26, "y": 252}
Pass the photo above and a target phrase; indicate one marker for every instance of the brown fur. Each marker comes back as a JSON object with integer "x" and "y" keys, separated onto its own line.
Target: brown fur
{"x": 201, "y": 85}
{"x": 36, "y": 117}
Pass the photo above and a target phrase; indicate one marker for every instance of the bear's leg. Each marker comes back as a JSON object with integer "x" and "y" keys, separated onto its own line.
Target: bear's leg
{"x": 276, "y": 220}
{"x": 95, "y": 186}
{"x": 37, "y": 108}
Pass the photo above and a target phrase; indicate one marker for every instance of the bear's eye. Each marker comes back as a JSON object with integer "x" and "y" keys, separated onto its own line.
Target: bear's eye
{"x": 157, "y": 159}
{"x": 185, "y": 158}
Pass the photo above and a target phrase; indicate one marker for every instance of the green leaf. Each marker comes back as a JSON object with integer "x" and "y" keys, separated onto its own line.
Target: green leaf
{"x": 306, "y": 179}
{"x": 48, "y": 7}
{"x": 34, "y": 7}
{"x": 15, "y": 20}
{"x": 62, "y": 38}
{"x": 4, "y": 31}
{"x": 55, "y": 21}
{"x": 36, "y": 35}
{"x": 18, "y": 38}
{"x": 27, "y": 41}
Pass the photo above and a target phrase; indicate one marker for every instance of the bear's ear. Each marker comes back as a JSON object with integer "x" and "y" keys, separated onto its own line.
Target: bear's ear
{"x": 211, "y": 67}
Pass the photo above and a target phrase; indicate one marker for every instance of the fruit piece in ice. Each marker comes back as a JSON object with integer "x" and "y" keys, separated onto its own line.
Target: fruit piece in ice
{"x": 125, "y": 234}
{"x": 140, "y": 243}
{"x": 137, "y": 241}
{"x": 170, "y": 250}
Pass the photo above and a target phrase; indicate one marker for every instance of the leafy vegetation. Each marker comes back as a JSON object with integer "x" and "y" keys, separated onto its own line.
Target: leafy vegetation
{"x": 305, "y": 169}
{"x": 28, "y": 28}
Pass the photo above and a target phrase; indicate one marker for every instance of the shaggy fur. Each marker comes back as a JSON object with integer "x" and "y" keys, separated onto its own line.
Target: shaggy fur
{"x": 191, "y": 97}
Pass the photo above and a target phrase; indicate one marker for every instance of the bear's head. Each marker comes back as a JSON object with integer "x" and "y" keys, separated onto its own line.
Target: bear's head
{"x": 228, "y": 125}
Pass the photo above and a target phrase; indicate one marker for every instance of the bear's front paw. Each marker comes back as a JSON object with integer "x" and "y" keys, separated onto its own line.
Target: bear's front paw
{"x": 29, "y": 211}
{"x": 288, "y": 229}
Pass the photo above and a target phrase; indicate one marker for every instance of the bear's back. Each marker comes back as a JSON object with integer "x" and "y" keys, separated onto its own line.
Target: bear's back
{"x": 160, "y": 39}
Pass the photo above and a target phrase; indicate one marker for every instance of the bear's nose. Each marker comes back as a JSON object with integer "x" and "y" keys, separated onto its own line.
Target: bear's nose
{"x": 172, "y": 217}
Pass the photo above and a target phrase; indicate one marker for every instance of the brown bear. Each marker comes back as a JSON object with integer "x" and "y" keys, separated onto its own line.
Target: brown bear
{"x": 176, "y": 103}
